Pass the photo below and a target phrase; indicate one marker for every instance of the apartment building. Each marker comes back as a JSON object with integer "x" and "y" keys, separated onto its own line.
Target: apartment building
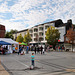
{"x": 37, "y": 32}
{"x": 22, "y": 32}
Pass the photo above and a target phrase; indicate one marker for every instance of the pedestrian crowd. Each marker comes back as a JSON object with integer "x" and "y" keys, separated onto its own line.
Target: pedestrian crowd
{"x": 37, "y": 49}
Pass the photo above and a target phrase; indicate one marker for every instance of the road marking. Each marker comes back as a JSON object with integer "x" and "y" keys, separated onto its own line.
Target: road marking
{"x": 21, "y": 63}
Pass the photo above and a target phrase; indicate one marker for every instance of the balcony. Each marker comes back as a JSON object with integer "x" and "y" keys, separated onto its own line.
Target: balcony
{"x": 31, "y": 35}
{"x": 41, "y": 29}
{"x": 41, "y": 38}
{"x": 35, "y": 39}
{"x": 30, "y": 31}
{"x": 35, "y": 30}
{"x": 41, "y": 34}
{"x": 46, "y": 27}
{"x": 35, "y": 35}
{"x": 41, "y": 25}
{"x": 36, "y": 27}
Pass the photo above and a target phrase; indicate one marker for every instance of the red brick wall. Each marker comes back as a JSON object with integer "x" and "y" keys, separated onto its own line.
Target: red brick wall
{"x": 2, "y": 31}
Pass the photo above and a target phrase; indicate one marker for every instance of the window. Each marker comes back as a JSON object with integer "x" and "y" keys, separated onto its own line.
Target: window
{"x": 46, "y": 27}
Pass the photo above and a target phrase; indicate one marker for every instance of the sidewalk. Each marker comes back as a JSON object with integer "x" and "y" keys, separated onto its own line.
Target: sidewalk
{"x": 2, "y": 70}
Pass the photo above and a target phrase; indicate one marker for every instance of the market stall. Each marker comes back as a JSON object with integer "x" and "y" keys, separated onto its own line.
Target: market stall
{"x": 3, "y": 50}
{"x": 12, "y": 42}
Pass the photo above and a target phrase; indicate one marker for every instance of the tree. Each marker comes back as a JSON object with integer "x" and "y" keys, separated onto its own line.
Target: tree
{"x": 13, "y": 31}
{"x": 71, "y": 36}
{"x": 52, "y": 36}
{"x": 27, "y": 37}
{"x": 10, "y": 34}
{"x": 19, "y": 38}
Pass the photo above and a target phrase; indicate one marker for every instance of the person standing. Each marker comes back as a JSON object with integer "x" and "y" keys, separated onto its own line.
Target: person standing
{"x": 59, "y": 48}
{"x": 27, "y": 49}
{"x": 35, "y": 50}
{"x": 20, "y": 49}
{"x": 32, "y": 59}
{"x": 41, "y": 49}
{"x": 13, "y": 49}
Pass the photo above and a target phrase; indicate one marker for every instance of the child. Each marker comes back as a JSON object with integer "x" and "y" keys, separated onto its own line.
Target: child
{"x": 32, "y": 59}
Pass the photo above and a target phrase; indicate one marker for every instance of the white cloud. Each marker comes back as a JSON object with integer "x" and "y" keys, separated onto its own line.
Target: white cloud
{"x": 27, "y": 13}
{"x": 4, "y": 7}
{"x": 12, "y": 25}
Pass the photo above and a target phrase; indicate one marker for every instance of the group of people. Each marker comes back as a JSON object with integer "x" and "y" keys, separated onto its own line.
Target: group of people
{"x": 60, "y": 48}
{"x": 36, "y": 49}
{"x": 39, "y": 49}
{"x": 3, "y": 50}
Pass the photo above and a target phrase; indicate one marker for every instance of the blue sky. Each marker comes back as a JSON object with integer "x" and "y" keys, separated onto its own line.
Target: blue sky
{"x": 22, "y": 14}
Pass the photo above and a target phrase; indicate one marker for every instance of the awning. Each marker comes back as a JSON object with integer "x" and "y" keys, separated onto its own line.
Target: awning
{"x": 4, "y": 43}
{"x": 23, "y": 43}
{"x": 9, "y": 40}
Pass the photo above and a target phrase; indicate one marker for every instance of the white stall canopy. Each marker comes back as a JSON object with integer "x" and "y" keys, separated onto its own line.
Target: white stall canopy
{"x": 9, "y": 40}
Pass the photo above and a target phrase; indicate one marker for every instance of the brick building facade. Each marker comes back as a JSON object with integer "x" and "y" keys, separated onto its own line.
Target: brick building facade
{"x": 2, "y": 31}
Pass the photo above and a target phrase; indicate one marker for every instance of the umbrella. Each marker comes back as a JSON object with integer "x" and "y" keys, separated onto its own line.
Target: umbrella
{"x": 4, "y": 43}
{"x": 19, "y": 42}
{"x": 22, "y": 43}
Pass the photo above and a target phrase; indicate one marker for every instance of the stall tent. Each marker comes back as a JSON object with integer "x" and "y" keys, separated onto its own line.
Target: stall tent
{"x": 4, "y": 43}
{"x": 9, "y": 40}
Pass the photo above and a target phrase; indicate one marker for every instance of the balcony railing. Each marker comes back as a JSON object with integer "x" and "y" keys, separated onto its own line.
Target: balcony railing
{"x": 40, "y": 30}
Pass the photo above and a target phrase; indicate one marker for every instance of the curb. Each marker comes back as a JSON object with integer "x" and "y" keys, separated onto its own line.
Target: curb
{"x": 2, "y": 69}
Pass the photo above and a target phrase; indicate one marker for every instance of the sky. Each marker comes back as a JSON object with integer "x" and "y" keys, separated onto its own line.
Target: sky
{"x": 23, "y": 14}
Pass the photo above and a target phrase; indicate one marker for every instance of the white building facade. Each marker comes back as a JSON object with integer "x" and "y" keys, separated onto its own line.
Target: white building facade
{"x": 37, "y": 33}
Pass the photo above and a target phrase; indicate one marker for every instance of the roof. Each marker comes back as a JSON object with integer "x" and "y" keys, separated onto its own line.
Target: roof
{"x": 9, "y": 40}
{"x": 47, "y": 22}
{"x": 4, "y": 43}
{"x": 39, "y": 25}
{"x": 64, "y": 24}
{"x": 22, "y": 30}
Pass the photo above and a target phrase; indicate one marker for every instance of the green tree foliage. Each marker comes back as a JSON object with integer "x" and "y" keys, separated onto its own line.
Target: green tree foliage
{"x": 27, "y": 37}
{"x": 13, "y": 31}
{"x": 10, "y": 34}
{"x": 19, "y": 38}
{"x": 52, "y": 36}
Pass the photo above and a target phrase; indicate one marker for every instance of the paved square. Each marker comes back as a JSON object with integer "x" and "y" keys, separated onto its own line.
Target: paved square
{"x": 52, "y": 63}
